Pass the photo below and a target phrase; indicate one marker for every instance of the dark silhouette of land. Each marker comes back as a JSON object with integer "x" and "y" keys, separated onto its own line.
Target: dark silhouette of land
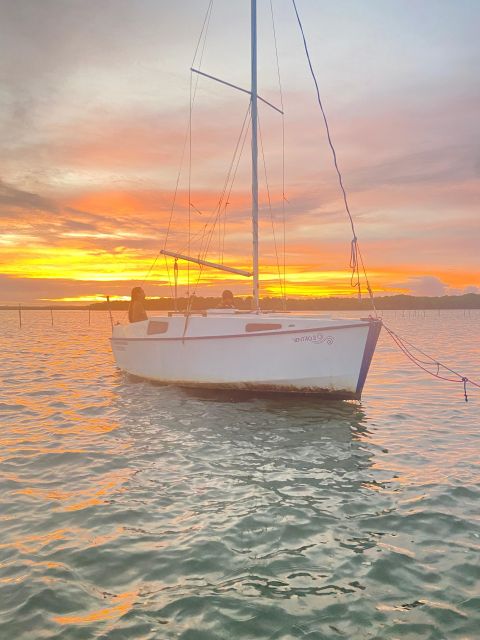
{"x": 400, "y": 302}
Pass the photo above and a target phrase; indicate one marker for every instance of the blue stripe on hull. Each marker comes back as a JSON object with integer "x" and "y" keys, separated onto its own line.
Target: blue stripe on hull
{"x": 372, "y": 337}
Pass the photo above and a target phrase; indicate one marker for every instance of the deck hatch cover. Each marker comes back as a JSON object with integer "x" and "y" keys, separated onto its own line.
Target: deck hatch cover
{"x": 262, "y": 326}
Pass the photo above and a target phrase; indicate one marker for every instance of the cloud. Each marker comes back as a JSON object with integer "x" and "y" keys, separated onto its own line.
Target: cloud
{"x": 14, "y": 198}
{"x": 433, "y": 166}
{"x": 93, "y": 119}
{"x": 433, "y": 286}
{"x": 423, "y": 286}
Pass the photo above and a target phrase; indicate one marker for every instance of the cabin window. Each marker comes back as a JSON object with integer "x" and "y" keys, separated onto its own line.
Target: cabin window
{"x": 262, "y": 326}
{"x": 157, "y": 326}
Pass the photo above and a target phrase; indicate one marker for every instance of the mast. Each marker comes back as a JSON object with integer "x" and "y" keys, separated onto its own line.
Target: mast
{"x": 254, "y": 115}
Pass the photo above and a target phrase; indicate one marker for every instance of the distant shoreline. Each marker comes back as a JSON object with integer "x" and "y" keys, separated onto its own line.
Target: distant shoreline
{"x": 382, "y": 303}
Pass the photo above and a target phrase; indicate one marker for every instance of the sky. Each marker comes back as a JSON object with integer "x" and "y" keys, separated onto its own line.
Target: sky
{"x": 101, "y": 153}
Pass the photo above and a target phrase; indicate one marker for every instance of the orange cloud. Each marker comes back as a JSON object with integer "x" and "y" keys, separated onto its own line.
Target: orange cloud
{"x": 99, "y": 217}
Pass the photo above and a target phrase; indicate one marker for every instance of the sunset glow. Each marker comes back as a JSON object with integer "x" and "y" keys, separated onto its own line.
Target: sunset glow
{"x": 94, "y": 124}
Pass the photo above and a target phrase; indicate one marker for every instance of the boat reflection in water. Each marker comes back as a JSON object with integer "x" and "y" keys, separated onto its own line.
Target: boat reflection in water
{"x": 275, "y": 488}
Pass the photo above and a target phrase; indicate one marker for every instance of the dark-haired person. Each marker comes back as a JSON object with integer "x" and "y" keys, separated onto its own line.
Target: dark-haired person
{"x": 136, "y": 309}
{"x": 227, "y": 300}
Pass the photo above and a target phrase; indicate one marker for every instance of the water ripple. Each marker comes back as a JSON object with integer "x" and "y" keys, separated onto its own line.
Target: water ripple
{"x": 132, "y": 510}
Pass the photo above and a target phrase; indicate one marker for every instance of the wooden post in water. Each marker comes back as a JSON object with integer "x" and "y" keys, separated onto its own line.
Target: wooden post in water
{"x": 89, "y": 311}
{"x": 109, "y": 310}
{"x": 20, "y": 314}
{"x": 51, "y": 315}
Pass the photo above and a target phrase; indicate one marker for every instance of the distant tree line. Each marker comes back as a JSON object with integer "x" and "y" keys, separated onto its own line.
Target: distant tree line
{"x": 466, "y": 301}
{"x": 401, "y": 302}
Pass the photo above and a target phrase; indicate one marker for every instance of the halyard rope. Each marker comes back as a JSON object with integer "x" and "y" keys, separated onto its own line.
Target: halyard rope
{"x": 355, "y": 256}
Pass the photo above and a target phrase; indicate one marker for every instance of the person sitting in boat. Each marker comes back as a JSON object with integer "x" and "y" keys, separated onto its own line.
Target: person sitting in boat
{"x": 227, "y": 300}
{"x": 136, "y": 309}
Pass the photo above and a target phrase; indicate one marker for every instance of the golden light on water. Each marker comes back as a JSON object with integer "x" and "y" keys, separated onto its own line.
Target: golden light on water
{"x": 117, "y": 606}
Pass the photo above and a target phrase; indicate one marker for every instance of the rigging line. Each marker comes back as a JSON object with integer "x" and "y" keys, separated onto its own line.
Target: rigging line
{"x": 283, "y": 160}
{"x": 204, "y": 231}
{"x": 205, "y": 27}
{"x": 369, "y": 289}
{"x": 270, "y": 209}
{"x": 209, "y": 238}
{"x": 200, "y": 232}
{"x": 217, "y": 211}
{"x": 209, "y": 12}
{"x": 207, "y": 18}
{"x": 224, "y": 230}
{"x": 237, "y": 154}
{"x": 196, "y": 209}
{"x": 172, "y": 289}
{"x": 232, "y": 181}
{"x": 189, "y": 180}
{"x": 195, "y": 236}
{"x": 330, "y": 142}
{"x": 151, "y": 269}
{"x": 200, "y": 62}
{"x": 148, "y": 273}
{"x": 219, "y": 237}
{"x": 176, "y": 191}
{"x": 206, "y": 21}
{"x": 244, "y": 133}
{"x": 215, "y": 214}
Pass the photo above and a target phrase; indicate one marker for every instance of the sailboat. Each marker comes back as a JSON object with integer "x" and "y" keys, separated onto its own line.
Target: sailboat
{"x": 255, "y": 351}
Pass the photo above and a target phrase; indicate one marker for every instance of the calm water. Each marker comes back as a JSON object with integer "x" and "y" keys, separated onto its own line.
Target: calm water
{"x": 129, "y": 510}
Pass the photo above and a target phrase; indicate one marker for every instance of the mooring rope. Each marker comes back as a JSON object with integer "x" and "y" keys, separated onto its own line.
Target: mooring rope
{"x": 406, "y": 348}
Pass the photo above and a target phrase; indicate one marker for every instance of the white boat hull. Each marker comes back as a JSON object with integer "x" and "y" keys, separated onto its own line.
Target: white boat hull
{"x": 314, "y": 355}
